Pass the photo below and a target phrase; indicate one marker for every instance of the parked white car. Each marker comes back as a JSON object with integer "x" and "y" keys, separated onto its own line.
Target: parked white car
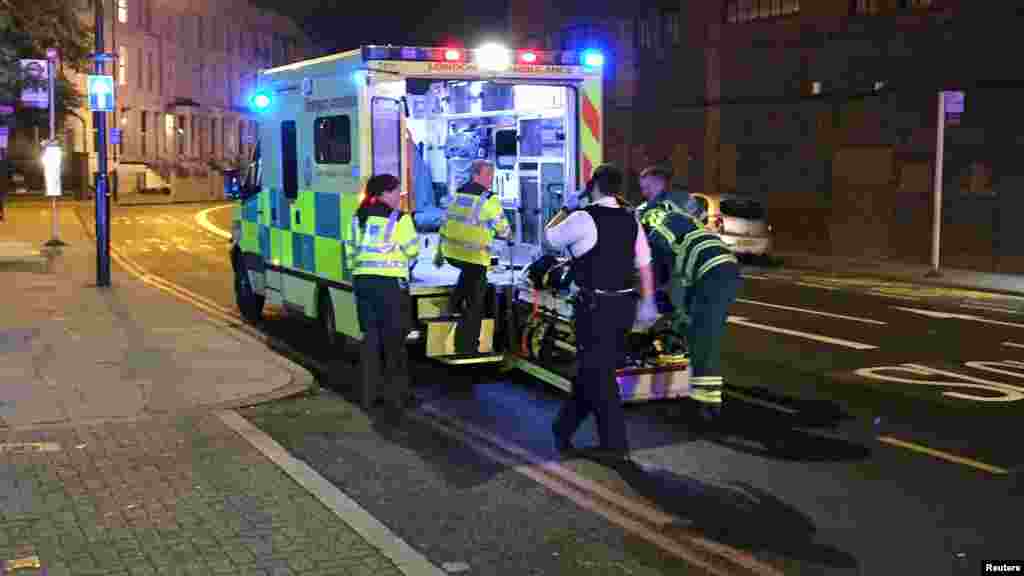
{"x": 741, "y": 222}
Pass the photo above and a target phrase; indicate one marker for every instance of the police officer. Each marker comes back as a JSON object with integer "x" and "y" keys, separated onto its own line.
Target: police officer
{"x": 704, "y": 277}
{"x": 607, "y": 245}
{"x": 471, "y": 223}
{"x": 383, "y": 244}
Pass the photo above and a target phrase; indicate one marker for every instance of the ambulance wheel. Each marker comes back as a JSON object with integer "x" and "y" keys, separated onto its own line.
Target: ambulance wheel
{"x": 250, "y": 304}
{"x": 327, "y": 321}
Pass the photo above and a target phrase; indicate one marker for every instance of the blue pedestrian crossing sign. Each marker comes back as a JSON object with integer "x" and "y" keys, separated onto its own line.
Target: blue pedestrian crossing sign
{"x": 101, "y": 93}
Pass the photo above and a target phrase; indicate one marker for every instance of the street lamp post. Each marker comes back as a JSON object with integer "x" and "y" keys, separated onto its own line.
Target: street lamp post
{"x": 102, "y": 200}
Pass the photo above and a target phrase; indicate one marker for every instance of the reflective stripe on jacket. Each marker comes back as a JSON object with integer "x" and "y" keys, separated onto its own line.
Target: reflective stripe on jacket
{"x": 469, "y": 227}
{"x": 695, "y": 249}
{"x": 383, "y": 246}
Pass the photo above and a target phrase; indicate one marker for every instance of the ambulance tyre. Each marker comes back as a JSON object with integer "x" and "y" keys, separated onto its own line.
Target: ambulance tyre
{"x": 250, "y": 304}
{"x": 325, "y": 311}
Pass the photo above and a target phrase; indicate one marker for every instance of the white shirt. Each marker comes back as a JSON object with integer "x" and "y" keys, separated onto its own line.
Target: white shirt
{"x": 578, "y": 232}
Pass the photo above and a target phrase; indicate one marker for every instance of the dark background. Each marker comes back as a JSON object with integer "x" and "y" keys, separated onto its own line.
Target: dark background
{"x": 337, "y": 25}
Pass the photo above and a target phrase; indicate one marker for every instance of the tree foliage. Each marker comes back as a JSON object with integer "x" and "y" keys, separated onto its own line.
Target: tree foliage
{"x": 27, "y": 29}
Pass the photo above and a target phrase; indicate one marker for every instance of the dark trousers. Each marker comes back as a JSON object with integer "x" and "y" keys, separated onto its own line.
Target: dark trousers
{"x": 382, "y": 307}
{"x": 602, "y": 323}
{"x": 468, "y": 298}
{"x": 709, "y": 304}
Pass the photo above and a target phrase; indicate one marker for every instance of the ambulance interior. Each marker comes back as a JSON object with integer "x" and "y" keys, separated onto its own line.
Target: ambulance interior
{"x": 523, "y": 128}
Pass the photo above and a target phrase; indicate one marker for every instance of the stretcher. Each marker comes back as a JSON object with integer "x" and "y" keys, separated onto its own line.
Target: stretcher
{"x": 533, "y": 331}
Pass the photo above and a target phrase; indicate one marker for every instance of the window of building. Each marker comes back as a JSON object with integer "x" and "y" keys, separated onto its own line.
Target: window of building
{"x": 179, "y": 135}
{"x": 149, "y": 71}
{"x": 122, "y": 65}
{"x": 229, "y": 40}
{"x": 644, "y": 38}
{"x": 750, "y": 10}
{"x": 138, "y": 75}
{"x": 917, "y": 3}
{"x": 202, "y": 78}
{"x": 332, "y": 140}
{"x": 867, "y": 6}
{"x": 241, "y": 41}
{"x": 673, "y": 35}
{"x": 149, "y": 15}
{"x": 122, "y": 11}
{"x": 625, "y": 35}
{"x": 143, "y": 125}
{"x": 213, "y": 137}
{"x": 200, "y": 37}
{"x": 289, "y": 160}
{"x": 976, "y": 180}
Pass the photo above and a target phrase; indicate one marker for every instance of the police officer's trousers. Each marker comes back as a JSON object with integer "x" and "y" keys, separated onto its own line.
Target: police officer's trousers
{"x": 468, "y": 297}
{"x": 602, "y": 323}
{"x": 708, "y": 307}
{"x": 384, "y": 361}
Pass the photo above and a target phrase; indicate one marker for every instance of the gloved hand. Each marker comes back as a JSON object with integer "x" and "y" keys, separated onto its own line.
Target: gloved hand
{"x": 572, "y": 201}
{"x": 646, "y": 313}
{"x": 438, "y": 258}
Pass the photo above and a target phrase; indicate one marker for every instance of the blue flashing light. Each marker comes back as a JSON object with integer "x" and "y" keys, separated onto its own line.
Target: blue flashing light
{"x": 260, "y": 101}
{"x": 593, "y": 59}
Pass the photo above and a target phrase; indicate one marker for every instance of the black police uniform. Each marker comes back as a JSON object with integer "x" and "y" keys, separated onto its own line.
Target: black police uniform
{"x": 605, "y": 309}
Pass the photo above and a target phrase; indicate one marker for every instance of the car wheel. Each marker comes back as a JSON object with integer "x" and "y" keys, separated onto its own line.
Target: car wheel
{"x": 250, "y": 304}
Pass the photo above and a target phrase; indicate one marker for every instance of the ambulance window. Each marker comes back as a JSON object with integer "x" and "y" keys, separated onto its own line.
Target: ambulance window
{"x": 289, "y": 160}
{"x": 387, "y": 137}
{"x": 332, "y": 140}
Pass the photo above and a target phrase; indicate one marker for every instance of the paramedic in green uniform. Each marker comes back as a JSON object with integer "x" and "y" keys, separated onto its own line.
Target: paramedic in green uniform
{"x": 703, "y": 276}
{"x": 382, "y": 246}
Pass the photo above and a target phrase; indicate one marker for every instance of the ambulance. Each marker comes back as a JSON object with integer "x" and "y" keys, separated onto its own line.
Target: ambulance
{"x": 424, "y": 114}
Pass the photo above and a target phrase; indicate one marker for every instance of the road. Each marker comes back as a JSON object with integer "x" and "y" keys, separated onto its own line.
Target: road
{"x": 879, "y": 434}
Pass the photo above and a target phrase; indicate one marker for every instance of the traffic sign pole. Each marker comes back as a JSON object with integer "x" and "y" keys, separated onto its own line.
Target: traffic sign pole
{"x": 102, "y": 201}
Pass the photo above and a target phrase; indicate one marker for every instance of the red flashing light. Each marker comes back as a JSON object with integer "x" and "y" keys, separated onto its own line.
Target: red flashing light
{"x": 452, "y": 55}
{"x": 529, "y": 57}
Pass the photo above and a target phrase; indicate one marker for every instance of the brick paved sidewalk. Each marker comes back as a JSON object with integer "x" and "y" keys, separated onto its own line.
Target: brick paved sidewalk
{"x": 114, "y": 456}
{"x": 183, "y": 495}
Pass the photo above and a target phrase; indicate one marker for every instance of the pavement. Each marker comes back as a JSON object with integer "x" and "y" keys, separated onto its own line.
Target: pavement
{"x": 119, "y": 446}
{"x": 1009, "y": 284}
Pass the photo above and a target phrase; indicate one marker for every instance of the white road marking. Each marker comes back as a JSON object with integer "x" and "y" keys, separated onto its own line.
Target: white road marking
{"x": 821, "y": 286}
{"x": 953, "y": 315}
{"x": 1008, "y": 392}
{"x": 756, "y": 276}
{"x": 990, "y": 308}
{"x": 1013, "y": 345}
{"x": 203, "y": 219}
{"x": 815, "y": 312}
{"x": 741, "y": 321}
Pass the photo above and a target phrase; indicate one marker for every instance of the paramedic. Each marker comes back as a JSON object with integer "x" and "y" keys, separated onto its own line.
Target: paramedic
{"x": 704, "y": 277}
{"x": 607, "y": 245}
{"x": 473, "y": 219}
{"x": 383, "y": 245}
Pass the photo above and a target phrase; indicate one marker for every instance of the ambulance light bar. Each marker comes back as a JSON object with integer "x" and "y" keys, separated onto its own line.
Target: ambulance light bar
{"x": 589, "y": 58}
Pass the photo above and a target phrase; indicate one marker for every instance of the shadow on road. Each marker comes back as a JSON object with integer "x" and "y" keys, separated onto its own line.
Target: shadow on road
{"x": 738, "y": 514}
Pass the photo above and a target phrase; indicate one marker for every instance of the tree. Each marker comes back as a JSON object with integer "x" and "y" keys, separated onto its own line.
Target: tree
{"x": 27, "y": 29}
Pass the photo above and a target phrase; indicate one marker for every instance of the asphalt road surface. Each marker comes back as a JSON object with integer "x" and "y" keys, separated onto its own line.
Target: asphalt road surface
{"x": 891, "y": 444}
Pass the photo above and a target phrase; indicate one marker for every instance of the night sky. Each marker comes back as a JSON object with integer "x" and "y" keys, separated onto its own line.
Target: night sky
{"x": 339, "y": 25}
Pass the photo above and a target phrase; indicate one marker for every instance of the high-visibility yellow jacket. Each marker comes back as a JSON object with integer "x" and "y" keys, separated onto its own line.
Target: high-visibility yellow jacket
{"x": 472, "y": 221}
{"x": 384, "y": 245}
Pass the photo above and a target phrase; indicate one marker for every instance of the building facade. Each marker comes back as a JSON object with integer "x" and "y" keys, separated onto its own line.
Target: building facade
{"x": 826, "y": 110}
{"x": 183, "y": 74}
